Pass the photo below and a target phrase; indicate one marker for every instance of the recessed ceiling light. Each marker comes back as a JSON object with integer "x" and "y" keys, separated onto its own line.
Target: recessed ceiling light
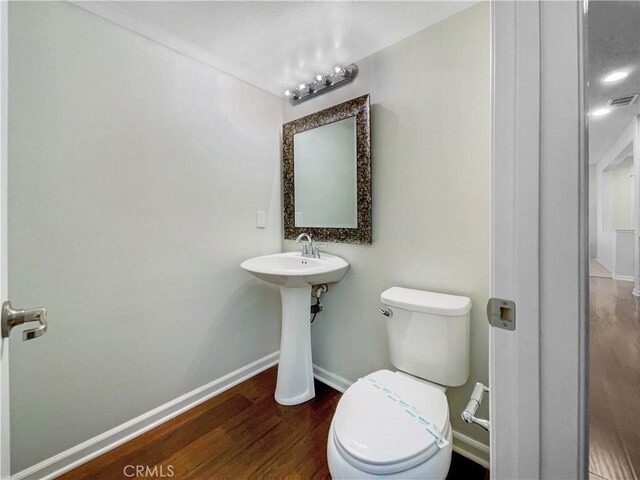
{"x": 599, "y": 112}
{"x": 615, "y": 76}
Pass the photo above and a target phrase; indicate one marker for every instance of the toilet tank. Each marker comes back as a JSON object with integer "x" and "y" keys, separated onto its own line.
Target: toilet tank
{"x": 429, "y": 334}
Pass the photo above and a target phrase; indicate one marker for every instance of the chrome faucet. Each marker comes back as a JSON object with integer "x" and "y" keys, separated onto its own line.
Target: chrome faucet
{"x": 315, "y": 250}
{"x": 307, "y": 245}
{"x": 309, "y": 249}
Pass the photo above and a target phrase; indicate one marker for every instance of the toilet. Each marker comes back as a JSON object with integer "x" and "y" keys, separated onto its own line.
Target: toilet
{"x": 395, "y": 425}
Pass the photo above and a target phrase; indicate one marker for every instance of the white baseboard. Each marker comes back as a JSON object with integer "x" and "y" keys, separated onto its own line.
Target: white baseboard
{"x": 96, "y": 446}
{"x": 462, "y": 444}
{"x": 471, "y": 449}
{"x": 624, "y": 278}
{"x": 328, "y": 378}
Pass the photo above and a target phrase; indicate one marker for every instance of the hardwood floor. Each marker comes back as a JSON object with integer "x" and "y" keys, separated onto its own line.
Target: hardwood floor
{"x": 241, "y": 433}
{"x": 614, "y": 417}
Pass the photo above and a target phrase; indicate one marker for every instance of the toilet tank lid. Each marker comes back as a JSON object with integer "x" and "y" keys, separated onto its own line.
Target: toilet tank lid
{"x": 426, "y": 302}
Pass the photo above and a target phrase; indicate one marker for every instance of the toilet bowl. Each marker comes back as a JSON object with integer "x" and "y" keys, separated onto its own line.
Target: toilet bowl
{"x": 395, "y": 425}
{"x": 388, "y": 425}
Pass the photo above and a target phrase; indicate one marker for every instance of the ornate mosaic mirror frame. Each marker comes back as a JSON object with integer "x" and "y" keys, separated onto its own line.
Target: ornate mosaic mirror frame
{"x": 362, "y": 234}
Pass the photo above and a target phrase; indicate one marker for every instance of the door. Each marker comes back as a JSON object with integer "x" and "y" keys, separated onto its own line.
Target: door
{"x": 513, "y": 370}
{"x": 539, "y": 241}
{"x": 9, "y": 317}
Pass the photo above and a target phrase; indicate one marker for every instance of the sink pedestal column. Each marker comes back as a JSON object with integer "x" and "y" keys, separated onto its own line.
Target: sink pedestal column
{"x": 295, "y": 369}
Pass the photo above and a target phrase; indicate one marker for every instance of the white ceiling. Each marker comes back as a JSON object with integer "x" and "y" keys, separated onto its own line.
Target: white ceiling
{"x": 613, "y": 34}
{"x": 279, "y": 44}
{"x": 276, "y": 45}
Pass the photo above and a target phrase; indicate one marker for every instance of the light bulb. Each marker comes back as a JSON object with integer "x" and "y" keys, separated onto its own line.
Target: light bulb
{"x": 337, "y": 69}
{"x": 600, "y": 112}
{"x": 287, "y": 93}
{"x": 615, "y": 76}
{"x": 323, "y": 80}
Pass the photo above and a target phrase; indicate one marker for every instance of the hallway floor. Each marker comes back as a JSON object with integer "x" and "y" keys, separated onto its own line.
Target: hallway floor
{"x": 241, "y": 433}
{"x": 614, "y": 418}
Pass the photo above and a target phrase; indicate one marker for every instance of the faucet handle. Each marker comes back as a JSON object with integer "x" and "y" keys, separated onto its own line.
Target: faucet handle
{"x": 315, "y": 249}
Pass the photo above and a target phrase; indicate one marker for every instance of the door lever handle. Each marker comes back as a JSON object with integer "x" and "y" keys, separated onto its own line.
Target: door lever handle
{"x": 12, "y": 318}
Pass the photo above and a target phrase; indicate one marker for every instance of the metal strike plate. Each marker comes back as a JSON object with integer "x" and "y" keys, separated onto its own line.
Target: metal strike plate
{"x": 501, "y": 313}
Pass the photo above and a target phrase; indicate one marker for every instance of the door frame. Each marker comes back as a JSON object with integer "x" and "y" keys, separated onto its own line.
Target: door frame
{"x": 5, "y": 452}
{"x": 636, "y": 205}
{"x": 539, "y": 372}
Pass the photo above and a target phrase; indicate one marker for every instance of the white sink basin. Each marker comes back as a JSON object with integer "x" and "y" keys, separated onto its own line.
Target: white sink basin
{"x": 295, "y": 274}
{"x": 293, "y": 270}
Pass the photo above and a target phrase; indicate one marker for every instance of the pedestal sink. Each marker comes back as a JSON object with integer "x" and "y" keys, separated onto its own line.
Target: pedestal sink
{"x": 295, "y": 275}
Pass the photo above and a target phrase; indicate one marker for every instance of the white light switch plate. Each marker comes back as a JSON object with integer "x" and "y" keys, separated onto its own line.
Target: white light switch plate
{"x": 261, "y": 219}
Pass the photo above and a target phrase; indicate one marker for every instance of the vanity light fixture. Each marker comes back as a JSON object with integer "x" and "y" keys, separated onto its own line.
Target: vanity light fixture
{"x": 599, "y": 112}
{"x": 322, "y": 84}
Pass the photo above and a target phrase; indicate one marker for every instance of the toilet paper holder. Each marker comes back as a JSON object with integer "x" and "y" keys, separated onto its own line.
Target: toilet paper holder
{"x": 468, "y": 414}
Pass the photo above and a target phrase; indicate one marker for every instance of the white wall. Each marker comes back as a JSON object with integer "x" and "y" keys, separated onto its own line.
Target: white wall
{"x": 622, "y": 194}
{"x": 130, "y": 209}
{"x": 624, "y": 263}
{"x": 431, "y": 207}
{"x": 606, "y": 237}
{"x": 622, "y": 211}
{"x": 608, "y": 186}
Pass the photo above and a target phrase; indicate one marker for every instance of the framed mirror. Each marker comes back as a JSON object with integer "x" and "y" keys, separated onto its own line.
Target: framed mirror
{"x": 326, "y": 174}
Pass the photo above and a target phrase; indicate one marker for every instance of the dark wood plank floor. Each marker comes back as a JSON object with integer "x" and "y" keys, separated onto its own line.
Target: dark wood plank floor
{"x": 241, "y": 433}
{"x": 614, "y": 417}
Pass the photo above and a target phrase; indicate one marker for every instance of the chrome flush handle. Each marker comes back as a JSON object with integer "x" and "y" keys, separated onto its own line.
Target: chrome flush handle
{"x": 469, "y": 413}
{"x": 12, "y": 318}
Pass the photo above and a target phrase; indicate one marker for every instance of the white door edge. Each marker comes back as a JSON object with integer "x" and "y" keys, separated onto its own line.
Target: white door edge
{"x": 636, "y": 203}
{"x": 538, "y": 374}
{"x": 514, "y": 355}
{"x": 4, "y": 343}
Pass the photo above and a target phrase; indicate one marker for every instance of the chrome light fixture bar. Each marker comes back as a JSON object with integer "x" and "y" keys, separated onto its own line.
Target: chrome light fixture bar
{"x": 322, "y": 84}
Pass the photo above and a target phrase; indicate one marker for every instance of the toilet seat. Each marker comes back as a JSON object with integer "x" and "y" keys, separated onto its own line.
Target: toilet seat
{"x": 380, "y": 424}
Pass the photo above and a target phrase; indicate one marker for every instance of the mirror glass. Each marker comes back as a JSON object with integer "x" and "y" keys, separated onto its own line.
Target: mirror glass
{"x": 325, "y": 176}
